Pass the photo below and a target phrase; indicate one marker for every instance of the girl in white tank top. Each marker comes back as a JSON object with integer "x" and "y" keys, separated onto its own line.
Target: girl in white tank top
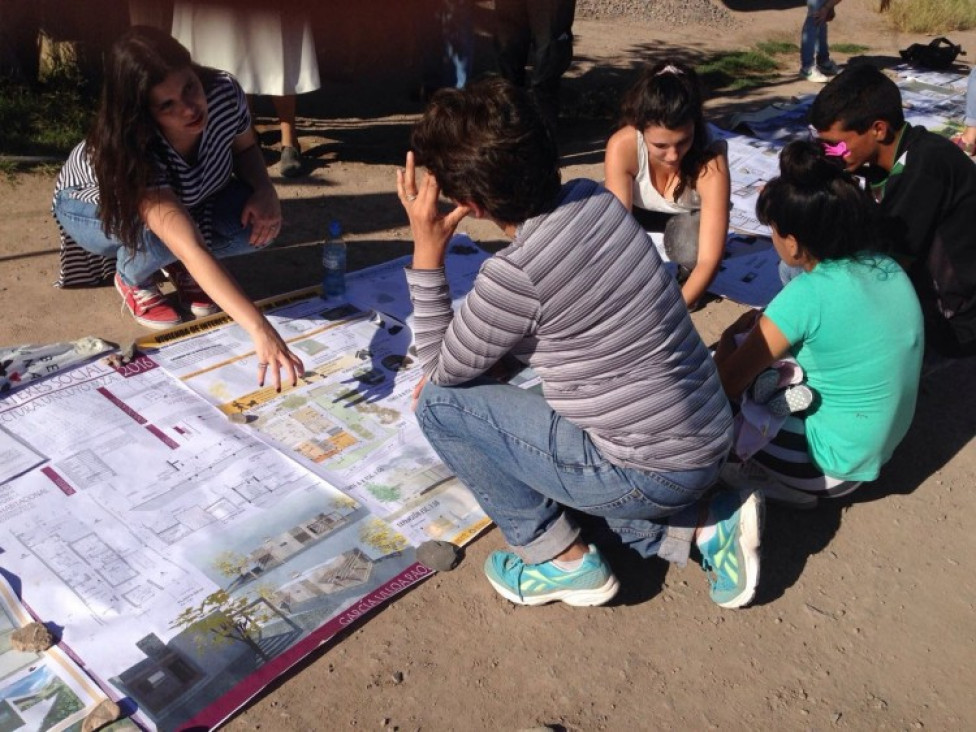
{"x": 661, "y": 160}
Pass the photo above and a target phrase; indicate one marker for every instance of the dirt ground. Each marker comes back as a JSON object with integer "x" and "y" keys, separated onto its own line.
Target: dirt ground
{"x": 865, "y": 613}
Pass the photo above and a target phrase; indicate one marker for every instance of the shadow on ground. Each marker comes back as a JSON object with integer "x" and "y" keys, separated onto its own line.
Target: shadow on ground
{"x": 945, "y": 422}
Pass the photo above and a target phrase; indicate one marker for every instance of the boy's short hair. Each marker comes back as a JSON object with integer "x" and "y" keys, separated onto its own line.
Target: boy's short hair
{"x": 488, "y": 144}
{"x": 857, "y": 98}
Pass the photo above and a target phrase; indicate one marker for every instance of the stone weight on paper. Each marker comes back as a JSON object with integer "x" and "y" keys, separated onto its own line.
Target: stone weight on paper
{"x": 105, "y": 713}
{"x": 441, "y": 556}
{"x": 32, "y": 638}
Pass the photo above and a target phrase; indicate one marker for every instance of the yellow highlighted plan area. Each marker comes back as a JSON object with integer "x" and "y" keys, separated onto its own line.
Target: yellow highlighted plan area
{"x": 324, "y": 420}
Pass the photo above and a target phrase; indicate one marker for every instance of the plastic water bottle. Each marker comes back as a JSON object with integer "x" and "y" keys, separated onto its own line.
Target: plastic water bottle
{"x": 334, "y": 262}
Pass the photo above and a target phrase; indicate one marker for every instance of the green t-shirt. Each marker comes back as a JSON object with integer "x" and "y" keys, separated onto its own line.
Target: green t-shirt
{"x": 855, "y": 326}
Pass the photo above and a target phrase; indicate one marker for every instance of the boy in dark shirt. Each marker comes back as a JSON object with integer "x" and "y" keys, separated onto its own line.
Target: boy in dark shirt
{"x": 925, "y": 185}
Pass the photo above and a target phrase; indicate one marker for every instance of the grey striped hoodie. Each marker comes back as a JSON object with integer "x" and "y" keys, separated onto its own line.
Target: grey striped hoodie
{"x": 582, "y": 296}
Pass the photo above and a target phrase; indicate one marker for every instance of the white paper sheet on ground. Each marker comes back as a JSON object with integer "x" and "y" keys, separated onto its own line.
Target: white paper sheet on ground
{"x": 40, "y": 690}
{"x": 752, "y": 162}
{"x": 952, "y": 79}
{"x": 16, "y": 457}
{"x": 20, "y": 365}
{"x": 384, "y": 287}
{"x": 751, "y": 276}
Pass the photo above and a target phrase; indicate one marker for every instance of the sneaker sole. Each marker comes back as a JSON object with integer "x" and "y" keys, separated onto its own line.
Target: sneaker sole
{"x": 576, "y": 598}
{"x": 202, "y": 311}
{"x": 791, "y": 400}
{"x": 750, "y": 531}
{"x": 145, "y": 322}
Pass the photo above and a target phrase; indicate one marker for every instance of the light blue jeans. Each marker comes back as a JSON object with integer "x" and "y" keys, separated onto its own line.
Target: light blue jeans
{"x": 970, "y": 120}
{"x": 526, "y": 465}
{"x": 80, "y": 221}
{"x": 813, "y": 38}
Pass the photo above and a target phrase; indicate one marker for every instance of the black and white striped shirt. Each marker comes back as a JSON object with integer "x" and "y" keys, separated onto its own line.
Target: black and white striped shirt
{"x": 194, "y": 183}
{"x": 582, "y": 295}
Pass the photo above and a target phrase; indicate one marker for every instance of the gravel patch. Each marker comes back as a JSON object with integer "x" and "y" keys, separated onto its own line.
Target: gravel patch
{"x": 672, "y": 12}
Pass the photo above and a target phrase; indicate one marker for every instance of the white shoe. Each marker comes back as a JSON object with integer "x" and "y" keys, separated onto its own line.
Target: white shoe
{"x": 815, "y": 75}
{"x": 751, "y": 476}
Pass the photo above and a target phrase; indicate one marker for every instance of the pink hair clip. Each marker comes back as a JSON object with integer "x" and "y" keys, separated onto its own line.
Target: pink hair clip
{"x": 836, "y": 150}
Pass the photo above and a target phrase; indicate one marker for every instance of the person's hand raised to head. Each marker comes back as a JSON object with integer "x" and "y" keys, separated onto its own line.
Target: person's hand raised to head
{"x": 431, "y": 229}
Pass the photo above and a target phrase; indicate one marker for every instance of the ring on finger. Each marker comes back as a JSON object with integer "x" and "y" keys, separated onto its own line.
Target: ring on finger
{"x": 411, "y": 197}
{"x": 263, "y": 365}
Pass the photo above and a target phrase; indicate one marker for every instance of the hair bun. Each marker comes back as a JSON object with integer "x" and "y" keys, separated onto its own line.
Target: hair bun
{"x": 804, "y": 164}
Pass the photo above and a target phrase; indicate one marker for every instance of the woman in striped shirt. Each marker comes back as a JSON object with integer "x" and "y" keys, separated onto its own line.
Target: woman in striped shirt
{"x": 631, "y": 427}
{"x": 171, "y": 177}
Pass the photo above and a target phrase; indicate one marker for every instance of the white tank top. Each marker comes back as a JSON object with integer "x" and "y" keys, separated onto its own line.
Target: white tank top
{"x": 646, "y": 196}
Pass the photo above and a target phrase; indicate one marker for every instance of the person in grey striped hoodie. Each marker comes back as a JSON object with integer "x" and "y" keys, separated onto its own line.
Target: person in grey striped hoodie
{"x": 631, "y": 426}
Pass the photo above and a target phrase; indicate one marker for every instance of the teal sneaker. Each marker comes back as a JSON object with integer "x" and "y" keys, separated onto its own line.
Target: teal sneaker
{"x": 729, "y": 544}
{"x": 536, "y": 584}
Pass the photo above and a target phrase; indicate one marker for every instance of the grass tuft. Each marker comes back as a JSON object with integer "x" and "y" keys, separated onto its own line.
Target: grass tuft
{"x": 849, "y": 48}
{"x": 933, "y": 16}
{"x": 735, "y": 70}
{"x": 48, "y": 118}
{"x": 775, "y": 48}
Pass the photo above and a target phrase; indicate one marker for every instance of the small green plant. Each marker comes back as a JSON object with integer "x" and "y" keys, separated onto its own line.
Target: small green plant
{"x": 48, "y": 118}
{"x": 933, "y": 16}
{"x": 775, "y": 48}
{"x": 849, "y": 48}
{"x": 734, "y": 70}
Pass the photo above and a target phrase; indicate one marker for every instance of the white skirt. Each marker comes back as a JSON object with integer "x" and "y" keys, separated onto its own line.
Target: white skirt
{"x": 266, "y": 51}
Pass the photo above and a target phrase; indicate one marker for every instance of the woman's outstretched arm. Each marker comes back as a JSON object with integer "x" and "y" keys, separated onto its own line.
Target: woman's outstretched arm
{"x": 168, "y": 219}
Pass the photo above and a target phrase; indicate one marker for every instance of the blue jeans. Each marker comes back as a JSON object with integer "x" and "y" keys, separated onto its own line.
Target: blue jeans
{"x": 80, "y": 221}
{"x": 970, "y": 120}
{"x": 448, "y": 63}
{"x": 526, "y": 464}
{"x": 813, "y": 38}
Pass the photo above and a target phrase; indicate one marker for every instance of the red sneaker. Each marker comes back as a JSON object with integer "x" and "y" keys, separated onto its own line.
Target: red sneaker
{"x": 190, "y": 294}
{"x": 147, "y": 305}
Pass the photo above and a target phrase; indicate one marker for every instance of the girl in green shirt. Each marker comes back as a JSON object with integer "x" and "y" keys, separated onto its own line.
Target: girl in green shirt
{"x": 852, "y": 321}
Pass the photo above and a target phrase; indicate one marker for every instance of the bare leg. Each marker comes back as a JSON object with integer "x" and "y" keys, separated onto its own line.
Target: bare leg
{"x": 285, "y": 109}
{"x": 291, "y": 154}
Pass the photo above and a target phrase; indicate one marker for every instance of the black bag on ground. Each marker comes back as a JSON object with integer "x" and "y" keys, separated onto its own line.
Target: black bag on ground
{"x": 939, "y": 53}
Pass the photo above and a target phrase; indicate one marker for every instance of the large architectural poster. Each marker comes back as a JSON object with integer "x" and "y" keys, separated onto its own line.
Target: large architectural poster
{"x": 196, "y": 535}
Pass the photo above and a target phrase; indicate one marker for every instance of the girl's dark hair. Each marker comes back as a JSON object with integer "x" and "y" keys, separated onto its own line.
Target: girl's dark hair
{"x": 668, "y": 95}
{"x": 488, "y": 144}
{"x": 123, "y": 138}
{"x": 820, "y": 204}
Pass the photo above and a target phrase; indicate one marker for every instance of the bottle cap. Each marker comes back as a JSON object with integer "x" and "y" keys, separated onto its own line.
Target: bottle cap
{"x": 335, "y": 228}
